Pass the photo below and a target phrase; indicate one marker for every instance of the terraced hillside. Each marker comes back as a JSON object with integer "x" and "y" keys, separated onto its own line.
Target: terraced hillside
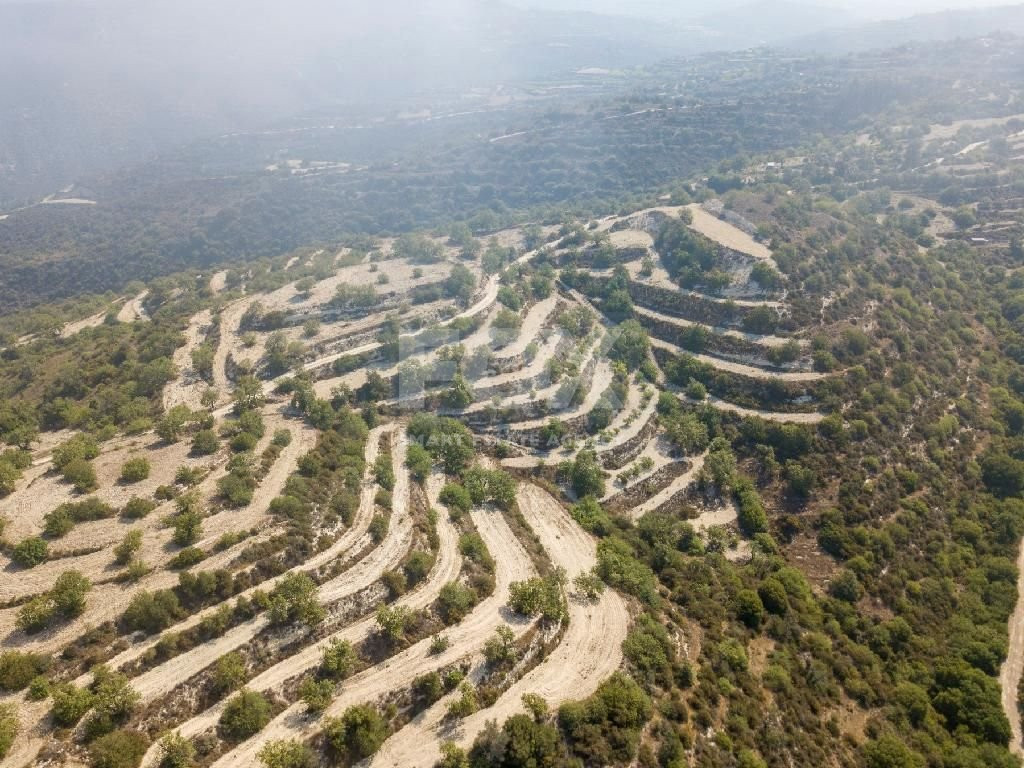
{"x": 357, "y": 497}
{"x": 730, "y": 483}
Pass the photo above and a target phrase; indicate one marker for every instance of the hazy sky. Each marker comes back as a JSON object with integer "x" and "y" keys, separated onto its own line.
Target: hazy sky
{"x": 694, "y": 8}
{"x": 683, "y": 9}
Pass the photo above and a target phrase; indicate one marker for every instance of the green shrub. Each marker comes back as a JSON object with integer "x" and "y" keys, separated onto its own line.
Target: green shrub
{"x": 456, "y": 498}
{"x": 455, "y": 601}
{"x": 30, "y": 552}
{"x": 39, "y": 688}
{"x": 287, "y": 754}
{"x": 188, "y": 527}
{"x": 228, "y": 673}
{"x": 186, "y": 558}
{"x": 124, "y": 552}
{"x": 137, "y": 508}
{"x": 8, "y": 727}
{"x": 295, "y": 599}
{"x": 419, "y": 462}
{"x": 338, "y": 659}
{"x": 537, "y": 596}
{"x": 80, "y": 446}
{"x": 135, "y": 470}
{"x": 36, "y": 614}
{"x": 68, "y": 593}
{"x": 384, "y": 472}
{"x": 60, "y": 521}
{"x": 80, "y": 474}
{"x": 245, "y": 715}
{"x": 119, "y": 749}
{"x": 176, "y": 751}
{"x": 205, "y": 442}
{"x": 316, "y": 693}
{"x": 357, "y": 734}
{"x": 151, "y": 612}
{"x": 112, "y": 694}
{"x": 18, "y": 669}
{"x": 70, "y": 703}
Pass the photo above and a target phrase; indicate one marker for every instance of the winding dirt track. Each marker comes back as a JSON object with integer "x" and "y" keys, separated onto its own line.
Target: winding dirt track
{"x": 187, "y": 387}
{"x": 590, "y": 650}
{"x": 751, "y": 372}
{"x": 344, "y": 543}
{"x": 465, "y": 638}
{"x": 108, "y": 600}
{"x": 77, "y": 326}
{"x": 446, "y": 568}
{"x": 133, "y": 309}
{"x": 218, "y": 281}
{"x": 164, "y": 678}
{"x": 678, "y": 484}
{"x": 230, "y": 320}
{"x": 535, "y": 319}
{"x": 1010, "y": 672}
{"x": 776, "y": 416}
{"x": 767, "y": 340}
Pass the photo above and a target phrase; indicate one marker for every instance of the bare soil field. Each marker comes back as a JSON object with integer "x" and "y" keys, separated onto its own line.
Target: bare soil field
{"x": 724, "y": 233}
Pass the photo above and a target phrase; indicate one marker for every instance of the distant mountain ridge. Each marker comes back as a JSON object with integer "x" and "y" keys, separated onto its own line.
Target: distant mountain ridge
{"x": 929, "y": 27}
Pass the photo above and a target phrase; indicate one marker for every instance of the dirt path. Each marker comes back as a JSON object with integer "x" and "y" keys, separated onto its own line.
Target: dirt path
{"x": 627, "y": 432}
{"x": 108, "y": 600}
{"x": 230, "y": 341}
{"x": 345, "y": 542}
{"x": 133, "y": 309}
{"x": 446, "y": 568}
{"x": 601, "y": 380}
{"x": 164, "y": 678}
{"x": 534, "y": 370}
{"x": 659, "y": 276}
{"x": 678, "y": 484}
{"x": 535, "y": 319}
{"x": 940, "y": 131}
{"x": 34, "y": 728}
{"x": 631, "y": 238}
{"x": 72, "y": 328}
{"x": 590, "y": 650}
{"x": 659, "y": 450}
{"x": 776, "y": 416}
{"x": 466, "y": 638}
{"x": 1010, "y": 673}
{"x": 768, "y": 341}
{"x": 219, "y": 281}
{"x": 187, "y": 388}
{"x": 749, "y": 371}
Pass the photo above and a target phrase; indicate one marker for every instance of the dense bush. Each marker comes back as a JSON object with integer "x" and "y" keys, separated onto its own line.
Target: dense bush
{"x": 30, "y": 552}
{"x": 119, "y": 749}
{"x": 135, "y": 470}
{"x": 357, "y": 734}
{"x": 245, "y": 715}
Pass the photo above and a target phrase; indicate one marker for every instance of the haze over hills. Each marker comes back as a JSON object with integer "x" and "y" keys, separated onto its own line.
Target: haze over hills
{"x": 943, "y": 25}
{"x": 89, "y": 85}
{"x": 694, "y": 9}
